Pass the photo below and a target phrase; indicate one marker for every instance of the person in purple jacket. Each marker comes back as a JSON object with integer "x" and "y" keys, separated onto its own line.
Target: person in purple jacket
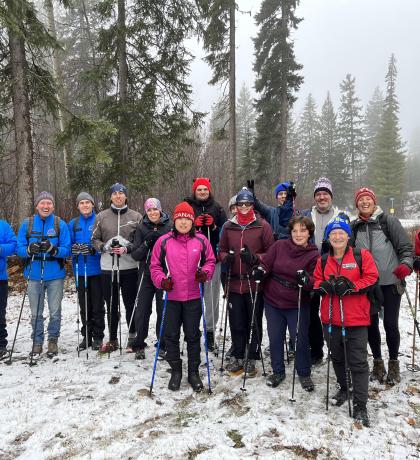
{"x": 280, "y": 265}
{"x": 181, "y": 260}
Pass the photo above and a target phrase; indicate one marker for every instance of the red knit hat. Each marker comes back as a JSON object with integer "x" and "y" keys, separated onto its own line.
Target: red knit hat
{"x": 183, "y": 210}
{"x": 201, "y": 181}
{"x": 364, "y": 191}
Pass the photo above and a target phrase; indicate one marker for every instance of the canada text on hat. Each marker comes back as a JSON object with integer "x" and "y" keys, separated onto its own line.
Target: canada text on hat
{"x": 44, "y": 196}
{"x": 118, "y": 188}
{"x": 183, "y": 209}
{"x": 323, "y": 184}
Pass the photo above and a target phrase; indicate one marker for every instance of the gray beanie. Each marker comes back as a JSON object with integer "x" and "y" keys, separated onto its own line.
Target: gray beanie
{"x": 44, "y": 196}
{"x": 232, "y": 202}
{"x": 84, "y": 196}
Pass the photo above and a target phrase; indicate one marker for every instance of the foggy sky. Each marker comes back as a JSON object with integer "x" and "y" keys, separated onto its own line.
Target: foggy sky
{"x": 336, "y": 37}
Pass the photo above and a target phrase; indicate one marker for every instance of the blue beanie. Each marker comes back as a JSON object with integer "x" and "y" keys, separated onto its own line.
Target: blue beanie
{"x": 335, "y": 224}
{"x": 281, "y": 188}
{"x": 118, "y": 188}
{"x": 245, "y": 195}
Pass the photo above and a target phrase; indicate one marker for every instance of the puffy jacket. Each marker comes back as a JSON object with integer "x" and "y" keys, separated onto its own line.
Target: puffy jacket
{"x": 356, "y": 306}
{"x": 387, "y": 253}
{"x": 283, "y": 259}
{"x": 44, "y": 229}
{"x": 144, "y": 230}
{"x": 118, "y": 223}
{"x": 277, "y": 216}
{"x": 183, "y": 257}
{"x": 258, "y": 236}
{"x": 8, "y": 242}
{"x": 82, "y": 233}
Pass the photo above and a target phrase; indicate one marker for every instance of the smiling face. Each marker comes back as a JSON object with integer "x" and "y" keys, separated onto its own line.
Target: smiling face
{"x": 202, "y": 193}
{"x": 45, "y": 208}
{"x": 118, "y": 199}
{"x": 281, "y": 198}
{"x": 244, "y": 206}
{"x": 338, "y": 239}
{"x": 85, "y": 207}
{"x": 183, "y": 225}
{"x": 153, "y": 214}
{"x": 366, "y": 206}
{"x": 300, "y": 235}
{"x": 323, "y": 201}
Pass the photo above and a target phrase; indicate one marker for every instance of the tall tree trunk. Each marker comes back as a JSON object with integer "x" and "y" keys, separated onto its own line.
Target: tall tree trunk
{"x": 232, "y": 102}
{"x": 123, "y": 89}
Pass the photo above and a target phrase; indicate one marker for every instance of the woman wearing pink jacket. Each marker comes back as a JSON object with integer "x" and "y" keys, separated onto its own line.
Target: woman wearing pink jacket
{"x": 180, "y": 261}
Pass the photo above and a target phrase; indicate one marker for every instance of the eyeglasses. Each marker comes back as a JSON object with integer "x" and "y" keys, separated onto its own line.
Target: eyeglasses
{"x": 244, "y": 204}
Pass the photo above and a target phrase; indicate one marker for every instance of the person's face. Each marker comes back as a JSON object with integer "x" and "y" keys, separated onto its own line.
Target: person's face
{"x": 45, "y": 208}
{"x": 233, "y": 210}
{"x": 338, "y": 239}
{"x": 183, "y": 225}
{"x": 85, "y": 207}
{"x": 323, "y": 200}
{"x": 366, "y": 206}
{"x": 244, "y": 206}
{"x": 118, "y": 199}
{"x": 281, "y": 198}
{"x": 153, "y": 214}
{"x": 300, "y": 235}
{"x": 202, "y": 193}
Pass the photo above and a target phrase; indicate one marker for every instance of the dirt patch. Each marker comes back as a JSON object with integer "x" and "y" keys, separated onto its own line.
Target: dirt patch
{"x": 236, "y": 404}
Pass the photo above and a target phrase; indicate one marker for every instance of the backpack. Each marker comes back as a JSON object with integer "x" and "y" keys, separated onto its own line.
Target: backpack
{"x": 383, "y": 223}
{"x": 374, "y": 292}
{"x": 163, "y": 252}
{"x": 31, "y": 224}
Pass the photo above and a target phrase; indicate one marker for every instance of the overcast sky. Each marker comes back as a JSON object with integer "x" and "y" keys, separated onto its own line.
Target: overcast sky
{"x": 336, "y": 37}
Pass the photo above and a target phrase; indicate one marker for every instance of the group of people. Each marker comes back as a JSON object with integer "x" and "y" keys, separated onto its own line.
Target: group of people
{"x": 312, "y": 272}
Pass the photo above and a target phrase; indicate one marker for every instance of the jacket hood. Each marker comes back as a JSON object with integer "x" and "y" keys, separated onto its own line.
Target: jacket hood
{"x": 376, "y": 213}
{"x": 164, "y": 219}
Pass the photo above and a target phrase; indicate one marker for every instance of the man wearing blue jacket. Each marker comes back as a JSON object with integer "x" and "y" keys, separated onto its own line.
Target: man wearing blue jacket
{"x": 83, "y": 253}
{"x": 44, "y": 241}
{"x": 7, "y": 248}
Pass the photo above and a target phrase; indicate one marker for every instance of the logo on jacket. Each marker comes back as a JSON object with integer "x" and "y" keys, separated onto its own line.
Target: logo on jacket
{"x": 90, "y": 228}
{"x": 51, "y": 232}
{"x": 350, "y": 265}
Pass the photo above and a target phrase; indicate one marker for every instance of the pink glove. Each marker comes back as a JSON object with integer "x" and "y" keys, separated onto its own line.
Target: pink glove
{"x": 402, "y": 271}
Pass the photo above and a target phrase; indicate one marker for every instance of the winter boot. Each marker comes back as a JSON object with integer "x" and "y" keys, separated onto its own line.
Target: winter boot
{"x": 109, "y": 347}
{"x": 340, "y": 397}
{"x": 307, "y": 383}
{"x": 176, "y": 375}
{"x": 52, "y": 348}
{"x": 130, "y": 342}
{"x": 82, "y": 345}
{"x": 274, "y": 380}
{"x": 393, "y": 376}
{"x": 96, "y": 344}
{"x": 235, "y": 367}
{"x": 140, "y": 354}
{"x": 360, "y": 413}
{"x": 3, "y": 352}
{"x": 36, "y": 350}
{"x": 210, "y": 340}
{"x": 229, "y": 353}
{"x": 251, "y": 370}
{"x": 194, "y": 377}
{"x": 378, "y": 372}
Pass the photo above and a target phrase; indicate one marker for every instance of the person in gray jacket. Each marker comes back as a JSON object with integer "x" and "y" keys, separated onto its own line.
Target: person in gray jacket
{"x": 386, "y": 239}
{"x": 113, "y": 236}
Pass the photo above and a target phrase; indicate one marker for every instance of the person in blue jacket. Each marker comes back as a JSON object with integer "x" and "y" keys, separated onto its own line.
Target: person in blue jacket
{"x": 44, "y": 241}
{"x": 83, "y": 252}
{"x": 7, "y": 248}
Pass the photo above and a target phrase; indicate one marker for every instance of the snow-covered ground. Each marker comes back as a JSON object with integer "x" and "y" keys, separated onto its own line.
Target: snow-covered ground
{"x": 99, "y": 408}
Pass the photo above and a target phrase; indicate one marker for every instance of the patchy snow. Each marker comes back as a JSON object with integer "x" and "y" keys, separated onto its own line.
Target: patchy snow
{"x": 68, "y": 408}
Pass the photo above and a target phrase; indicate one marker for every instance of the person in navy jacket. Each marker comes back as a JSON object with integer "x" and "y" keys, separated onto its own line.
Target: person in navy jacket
{"x": 81, "y": 229}
{"x": 44, "y": 241}
{"x": 7, "y": 248}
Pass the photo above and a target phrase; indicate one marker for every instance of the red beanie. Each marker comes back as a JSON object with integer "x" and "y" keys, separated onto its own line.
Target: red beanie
{"x": 201, "y": 181}
{"x": 364, "y": 191}
{"x": 183, "y": 210}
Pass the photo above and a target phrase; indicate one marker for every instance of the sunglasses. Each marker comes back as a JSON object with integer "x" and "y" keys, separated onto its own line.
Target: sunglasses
{"x": 244, "y": 204}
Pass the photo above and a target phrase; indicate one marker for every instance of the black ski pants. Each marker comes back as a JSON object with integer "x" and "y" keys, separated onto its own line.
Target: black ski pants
{"x": 316, "y": 338}
{"x": 95, "y": 306}
{"x": 128, "y": 287}
{"x": 3, "y": 305}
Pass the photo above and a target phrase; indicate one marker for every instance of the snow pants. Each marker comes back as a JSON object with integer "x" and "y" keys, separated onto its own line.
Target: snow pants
{"x": 3, "y": 305}
{"x": 95, "y": 306}
{"x": 316, "y": 338}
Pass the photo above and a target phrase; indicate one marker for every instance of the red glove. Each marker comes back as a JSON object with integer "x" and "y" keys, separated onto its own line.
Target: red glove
{"x": 199, "y": 221}
{"x": 200, "y": 276}
{"x": 167, "y": 284}
{"x": 402, "y": 271}
{"x": 208, "y": 220}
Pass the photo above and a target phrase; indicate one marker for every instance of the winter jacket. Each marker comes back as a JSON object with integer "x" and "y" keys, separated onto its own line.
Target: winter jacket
{"x": 388, "y": 254}
{"x": 8, "y": 242}
{"x": 417, "y": 243}
{"x": 282, "y": 261}
{"x": 258, "y": 236}
{"x": 140, "y": 251}
{"x": 82, "y": 233}
{"x": 44, "y": 229}
{"x": 119, "y": 224}
{"x": 183, "y": 257}
{"x": 212, "y": 207}
{"x": 277, "y": 216}
{"x": 356, "y": 306}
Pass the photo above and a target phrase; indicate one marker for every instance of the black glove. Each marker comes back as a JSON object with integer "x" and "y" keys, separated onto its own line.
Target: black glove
{"x": 416, "y": 264}
{"x": 33, "y": 249}
{"x": 86, "y": 250}
{"x": 248, "y": 257}
{"x": 327, "y": 286}
{"x": 250, "y": 185}
{"x": 48, "y": 247}
{"x": 343, "y": 286}
{"x": 75, "y": 249}
{"x": 291, "y": 190}
{"x": 150, "y": 241}
{"x": 229, "y": 259}
{"x": 258, "y": 274}
{"x": 302, "y": 278}
{"x": 167, "y": 284}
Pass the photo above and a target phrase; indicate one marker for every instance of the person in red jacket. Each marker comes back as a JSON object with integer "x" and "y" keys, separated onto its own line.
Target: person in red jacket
{"x": 343, "y": 286}
{"x": 416, "y": 263}
{"x": 244, "y": 240}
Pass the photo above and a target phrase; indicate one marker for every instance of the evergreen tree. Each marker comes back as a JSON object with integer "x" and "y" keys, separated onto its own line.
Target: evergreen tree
{"x": 277, "y": 81}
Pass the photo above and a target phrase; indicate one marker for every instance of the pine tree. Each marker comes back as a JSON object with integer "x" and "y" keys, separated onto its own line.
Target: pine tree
{"x": 277, "y": 81}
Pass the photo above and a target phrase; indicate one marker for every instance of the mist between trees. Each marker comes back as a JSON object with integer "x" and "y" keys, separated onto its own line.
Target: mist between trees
{"x": 94, "y": 92}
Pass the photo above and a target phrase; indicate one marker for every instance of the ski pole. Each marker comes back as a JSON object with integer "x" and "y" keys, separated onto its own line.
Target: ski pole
{"x": 413, "y": 367}
{"x": 211, "y": 294}
{"x": 41, "y": 294}
{"x": 226, "y": 297}
{"x": 119, "y": 301}
{"x": 223, "y": 312}
{"x": 86, "y": 307}
{"x": 76, "y": 280}
{"x": 203, "y": 308}
{"x": 287, "y": 350}
{"x": 346, "y": 364}
{"x": 9, "y": 361}
{"x": 110, "y": 303}
{"x": 413, "y": 312}
{"x": 329, "y": 350}
{"x": 292, "y": 399}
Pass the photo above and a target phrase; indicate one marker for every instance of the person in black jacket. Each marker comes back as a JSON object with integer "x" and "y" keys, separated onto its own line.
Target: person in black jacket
{"x": 209, "y": 218}
{"x": 154, "y": 224}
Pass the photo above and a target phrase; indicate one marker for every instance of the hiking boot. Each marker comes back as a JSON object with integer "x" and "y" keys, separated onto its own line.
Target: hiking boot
{"x": 291, "y": 355}
{"x": 235, "y": 367}
{"x": 52, "y": 348}
{"x": 393, "y": 376}
{"x": 36, "y": 350}
{"x": 162, "y": 354}
{"x": 307, "y": 383}
{"x": 378, "y": 371}
{"x": 176, "y": 375}
{"x": 96, "y": 344}
{"x": 316, "y": 360}
{"x": 140, "y": 354}
{"x": 130, "y": 341}
{"x": 251, "y": 370}
{"x": 340, "y": 397}
{"x": 82, "y": 345}
{"x": 229, "y": 353}
{"x": 3, "y": 352}
{"x": 210, "y": 340}
{"x": 109, "y": 347}
{"x": 360, "y": 413}
{"x": 194, "y": 377}
{"x": 274, "y": 380}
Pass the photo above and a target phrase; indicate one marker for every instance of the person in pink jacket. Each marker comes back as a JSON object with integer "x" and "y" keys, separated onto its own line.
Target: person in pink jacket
{"x": 181, "y": 260}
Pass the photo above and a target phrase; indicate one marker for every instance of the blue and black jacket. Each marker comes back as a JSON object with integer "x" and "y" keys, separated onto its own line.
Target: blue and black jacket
{"x": 8, "y": 242}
